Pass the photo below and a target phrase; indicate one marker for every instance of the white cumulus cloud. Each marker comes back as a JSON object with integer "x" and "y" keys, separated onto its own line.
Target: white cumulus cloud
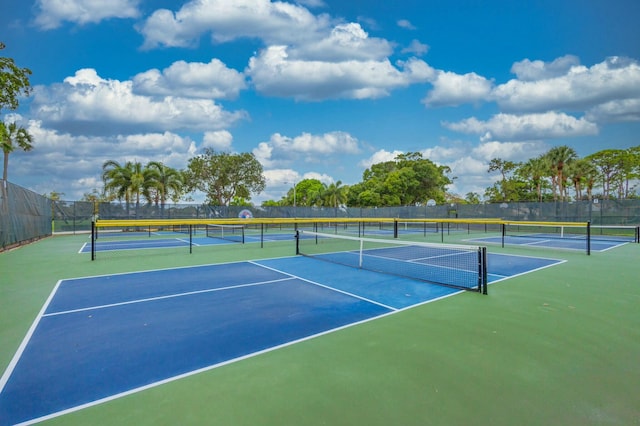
{"x": 273, "y": 73}
{"x": 344, "y": 42}
{"x": 513, "y": 151}
{"x": 615, "y": 111}
{"x": 283, "y": 150}
{"x": 416, "y": 48}
{"x": 220, "y": 140}
{"x": 50, "y": 14}
{"x": 191, "y": 79}
{"x": 380, "y": 156}
{"x": 53, "y": 166}
{"x": 225, "y": 20}
{"x": 578, "y": 88}
{"x": 527, "y": 70}
{"x": 450, "y": 89}
{"x": 90, "y": 104}
{"x": 525, "y": 127}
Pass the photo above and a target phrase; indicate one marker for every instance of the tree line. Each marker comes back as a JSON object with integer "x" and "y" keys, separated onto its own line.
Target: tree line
{"x": 231, "y": 179}
{"x": 407, "y": 180}
{"x": 561, "y": 175}
{"x": 224, "y": 178}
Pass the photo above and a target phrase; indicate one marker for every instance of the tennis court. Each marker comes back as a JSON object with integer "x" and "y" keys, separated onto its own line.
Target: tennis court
{"x": 551, "y": 242}
{"x": 212, "y": 235}
{"x": 104, "y": 337}
{"x": 124, "y": 344}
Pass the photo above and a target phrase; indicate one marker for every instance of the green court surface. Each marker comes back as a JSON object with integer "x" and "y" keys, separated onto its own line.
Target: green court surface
{"x": 560, "y": 346}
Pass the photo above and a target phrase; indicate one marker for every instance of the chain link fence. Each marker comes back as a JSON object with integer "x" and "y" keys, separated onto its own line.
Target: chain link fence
{"x": 76, "y": 216}
{"x": 24, "y": 215}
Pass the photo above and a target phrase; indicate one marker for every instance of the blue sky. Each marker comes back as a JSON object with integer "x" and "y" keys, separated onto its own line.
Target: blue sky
{"x": 318, "y": 88}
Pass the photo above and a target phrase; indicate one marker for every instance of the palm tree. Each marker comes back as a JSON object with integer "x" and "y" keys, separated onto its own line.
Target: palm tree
{"x": 580, "y": 172}
{"x": 128, "y": 181}
{"x": 560, "y": 157}
{"x": 12, "y": 137}
{"x": 335, "y": 195}
{"x": 116, "y": 180}
{"x": 535, "y": 170}
{"x": 140, "y": 182}
{"x": 591, "y": 176}
{"x": 165, "y": 181}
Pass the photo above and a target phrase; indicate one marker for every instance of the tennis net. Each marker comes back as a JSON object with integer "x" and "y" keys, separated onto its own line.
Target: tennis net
{"x": 458, "y": 266}
{"x": 613, "y": 233}
{"x": 234, "y": 233}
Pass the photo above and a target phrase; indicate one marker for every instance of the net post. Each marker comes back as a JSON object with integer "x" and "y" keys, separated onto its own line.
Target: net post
{"x": 467, "y": 272}
{"x": 483, "y": 273}
{"x": 190, "y": 238}
{"x": 588, "y": 238}
{"x": 395, "y": 228}
{"x": 504, "y": 232}
{"x": 242, "y": 230}
{"x": 261, "y": 234}
{"x": 93, "y": 240}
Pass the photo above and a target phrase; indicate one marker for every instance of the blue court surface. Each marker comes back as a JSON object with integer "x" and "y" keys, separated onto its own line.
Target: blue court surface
{"x": 99, "y": 338}
{"x": 552, "y": 242}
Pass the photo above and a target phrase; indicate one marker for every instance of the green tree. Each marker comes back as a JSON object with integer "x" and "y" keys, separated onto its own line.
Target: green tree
{"x": 307, "y": 193}
{"x": 14, "y": 82}
{"x": 582, "y": 174}
{"x": 560, "y": 157}
{"x": 223, "y": 176}
{"x": 634, "y": 153}
{"x": 608, "y": 164}
{"x": 472, "y": 198}
{"x": 12, "y": 137}
{"x": 166, "y": 183}
{"x": 409, "y": 179}
{"x": 239, "y": 201}
{"x": 535, "y": 170}
{"x": 128, "y": 181}
{"x": 628, "y": 161}
{"x": 335, "y": 195}
{"x": 507, "y": 187}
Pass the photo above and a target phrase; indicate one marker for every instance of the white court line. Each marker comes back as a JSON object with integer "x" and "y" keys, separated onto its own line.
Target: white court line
{"x": 325, "y": 286}
{"x": 16, "y": 357}
{"x": 169, "y": 296}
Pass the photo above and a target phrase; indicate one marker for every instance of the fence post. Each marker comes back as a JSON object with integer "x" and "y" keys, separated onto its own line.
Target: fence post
{"x": 93, "y": 240}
